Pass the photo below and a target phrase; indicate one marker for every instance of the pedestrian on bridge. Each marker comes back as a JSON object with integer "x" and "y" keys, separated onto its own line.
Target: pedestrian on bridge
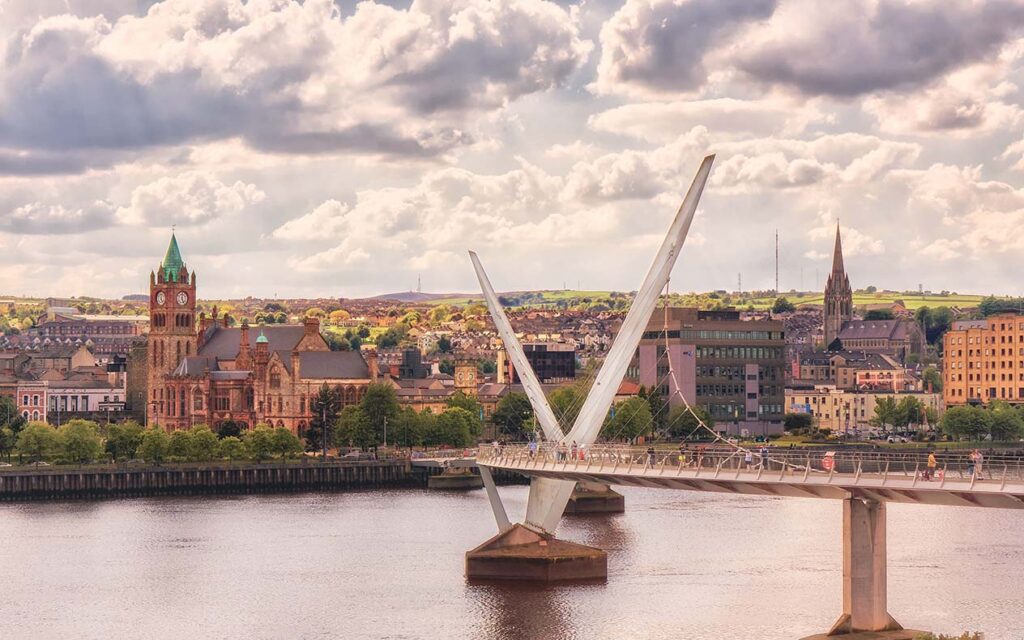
{"x": 650, "y": 456}
{"x": 532, "y": 448}
{"x": 932, "y": 464}
{"x": 748, "y": 459}
{"x": 682, "y": 455}
{"x": 977, "y": 458}
{"x": 572, "y": 450}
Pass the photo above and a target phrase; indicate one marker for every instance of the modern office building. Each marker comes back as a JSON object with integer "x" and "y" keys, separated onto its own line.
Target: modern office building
{"x": 733, "y": 368}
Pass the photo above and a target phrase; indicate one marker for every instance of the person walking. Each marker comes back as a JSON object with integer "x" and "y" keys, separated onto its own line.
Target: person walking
{"x": 650, "y": 456}
{"x": 932, "y": 464}
{"x": 979, "y": 459}
{"x": 572, "y": 450}
{"x": 682, "y": 455}
{"x": 532, "y": 448}
{"x": 764, "y": 455}
{"x": 748, "y": 458}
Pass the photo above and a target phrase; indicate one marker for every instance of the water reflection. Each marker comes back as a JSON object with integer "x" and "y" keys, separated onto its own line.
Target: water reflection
{"x": 388, "y": 564}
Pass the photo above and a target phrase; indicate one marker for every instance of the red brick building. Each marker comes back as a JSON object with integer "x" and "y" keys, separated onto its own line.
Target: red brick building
{"x": 211, "y": 373}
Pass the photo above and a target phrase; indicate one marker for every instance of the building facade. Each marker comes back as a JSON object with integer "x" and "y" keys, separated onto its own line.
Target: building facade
{"x": 215, "y": 373}
{"x": 733, "y": 368}
{"x": 983, "y": 360}
{"x": 842, "y": 410}
{"x": 553, "y": 362}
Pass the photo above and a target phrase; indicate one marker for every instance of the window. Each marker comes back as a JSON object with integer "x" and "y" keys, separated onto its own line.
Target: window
{"x": 275, "y": 379}
{"x": 24, "y": 400}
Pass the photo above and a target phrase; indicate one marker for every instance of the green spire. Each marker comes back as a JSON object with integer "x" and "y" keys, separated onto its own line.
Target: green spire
{"x": 172, "y": 263}
{"x": 262, "y": 339}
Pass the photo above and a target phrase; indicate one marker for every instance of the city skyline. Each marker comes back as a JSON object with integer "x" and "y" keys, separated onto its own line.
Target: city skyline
{"x": 362, "y": 149}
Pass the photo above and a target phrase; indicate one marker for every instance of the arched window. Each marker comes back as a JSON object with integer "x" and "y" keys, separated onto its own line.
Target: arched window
{"x": 35, "y": 415}
{"x": 197, "y": 400}
{"x": 177, "y": 351}
{"x": 188, "y": 348}
{"x": 302, "y": 428}
{"x": 280, "y": 424}
{"x": 275, "y": 379}
{"x": 250, "y": 398}
{"x": 24, "y": 414}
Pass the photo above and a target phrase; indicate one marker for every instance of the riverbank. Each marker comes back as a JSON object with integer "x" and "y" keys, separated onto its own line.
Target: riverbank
{"x": 109, "y": 481}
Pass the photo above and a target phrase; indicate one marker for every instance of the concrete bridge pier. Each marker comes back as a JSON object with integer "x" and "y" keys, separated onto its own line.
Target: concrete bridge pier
{"x": 592, "y": 497}
{"x": 864, "y": 574}
{"x": 455, "y": 478}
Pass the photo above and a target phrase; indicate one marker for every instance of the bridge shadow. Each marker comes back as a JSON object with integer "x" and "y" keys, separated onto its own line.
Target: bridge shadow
{"x": 526, "y": 609}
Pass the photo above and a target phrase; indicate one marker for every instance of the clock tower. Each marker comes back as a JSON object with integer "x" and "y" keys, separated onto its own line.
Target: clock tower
{"x": 172, "y": 331}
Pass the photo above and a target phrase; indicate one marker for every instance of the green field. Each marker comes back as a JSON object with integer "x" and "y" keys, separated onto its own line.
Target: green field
{"x": 911, "y": 301}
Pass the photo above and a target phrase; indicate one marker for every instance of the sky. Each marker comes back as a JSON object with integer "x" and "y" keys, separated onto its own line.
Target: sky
{"x": 326, "y": 149}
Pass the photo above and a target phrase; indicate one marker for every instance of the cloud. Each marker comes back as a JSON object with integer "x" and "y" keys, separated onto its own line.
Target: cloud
{"x": 731, "y": 117}
{"x": 54, "y": 219}
{"x": 658, "y": 46}
{"x": 285, "y": 76}
{"x": 855, "y": 242}
{"x": 850, "y": 47}
{"x": 187, "y": 199}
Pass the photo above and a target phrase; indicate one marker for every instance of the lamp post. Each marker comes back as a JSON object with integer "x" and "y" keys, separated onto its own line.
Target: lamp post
{"x": 323, "y": 430}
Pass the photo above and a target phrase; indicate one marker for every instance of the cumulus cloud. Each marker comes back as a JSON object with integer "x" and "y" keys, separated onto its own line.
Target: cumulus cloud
{"x": 855, "y": 242}
{"x": 286, "y": 76}
{"x": 728, "y": 117}
{"x": 54, "y": 219}
{"x": 659, "y": 46}
{"x": 187, "y": 199}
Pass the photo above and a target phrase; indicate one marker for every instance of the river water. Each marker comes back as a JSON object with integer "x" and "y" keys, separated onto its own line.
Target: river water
{"x": 388, "y": 564}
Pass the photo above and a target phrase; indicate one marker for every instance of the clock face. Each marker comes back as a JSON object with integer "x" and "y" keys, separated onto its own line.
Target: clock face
{"x": 160, "y": 297}
{"x": 182, "y": 298}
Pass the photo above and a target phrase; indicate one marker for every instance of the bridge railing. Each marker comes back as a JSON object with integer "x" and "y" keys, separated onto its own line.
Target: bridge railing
{"x": 609, "y": 458}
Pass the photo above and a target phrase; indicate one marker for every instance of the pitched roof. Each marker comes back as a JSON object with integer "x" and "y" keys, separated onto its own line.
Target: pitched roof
{"x": 172, "y": 263}
{"x": 873, "y": 330}
{"x": 223, "y": 343}
{"x": 837, "y": 254}
{"x": 194, "y": 366}
{"x": 333, "y": 365}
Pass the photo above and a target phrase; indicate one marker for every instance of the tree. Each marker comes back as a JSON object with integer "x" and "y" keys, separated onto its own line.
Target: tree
{"x": 353, "y": 428}
{"x": 909, "y": 410}
{"x": 8, "y": 439}
{"x": 380, "y": 405}
{"x": 324, "y": 406}
{"x": 462, "y": 400}
{"x": 80, "y": 441}
{"x": 681, "y": 423}
{"x": 628, "y": 419}
{"x": 966, "y": 422}
{"x": 798, "y": 421}
{"x": 932, "y": 379}
{"x": 782, "y": 305}
{"x": 180, "y": 446}
{"x": 228, "y": 428}
{"x": 879, "y": 314}
{"x": 124, "y": 439}
{"x": 155, "y": 446}
{"x": 510, "y": 414}
{"x": 1005, "y": 423}
{"x": 37, "y": 440}
{"x": 286, "y": 443}
{"x": 9, "y": 416}
{"x": 657, "y": 405}
{"x": 339, "y": 316}
{"x": 886, "y": 412}
{"x": 453, "y": 427}
{"x": 446, "y": 366}
{"x": 566, "y": 403}
{"x": 232, "y": 448}
{"x": 409, "y": 426}
{"x": 203, "y": 445}
{"x": 444, "y": 344}
{"x": 260, "y": 442}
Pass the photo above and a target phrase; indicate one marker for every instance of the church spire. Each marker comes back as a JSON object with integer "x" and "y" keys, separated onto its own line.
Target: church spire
{"x": 837, "y": 254}
{"x": 172, "y": 263}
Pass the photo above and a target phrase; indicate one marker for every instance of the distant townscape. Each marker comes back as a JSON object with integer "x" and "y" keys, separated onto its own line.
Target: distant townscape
{"x": 852, "y": 363}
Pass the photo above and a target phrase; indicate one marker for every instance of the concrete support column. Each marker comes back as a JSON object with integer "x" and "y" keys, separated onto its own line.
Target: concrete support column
{"x": 864, "y": 572}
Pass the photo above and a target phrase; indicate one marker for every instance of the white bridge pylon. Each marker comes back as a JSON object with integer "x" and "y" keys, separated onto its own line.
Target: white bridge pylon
{"x": 548, "y": 496}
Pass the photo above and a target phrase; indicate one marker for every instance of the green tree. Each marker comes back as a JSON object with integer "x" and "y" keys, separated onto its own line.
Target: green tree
{"x": 681, "y": 423}
{"x": 180, "y": 446}
{"x": 38, "y": 441}
{"x": 966, "y": 422}
{"x": 232, "y": 448}
{"x": 797, "y": 421}
{"x": 510, "y": 414}
{"x": 566, "y": 403}
{"x": 409, "y": 427}
{"x": 9, "y": 416}
{"x": 203, "y": 445}
{"x": 782, "y": 305}
{"x": 462, "y": 400}
{"x": 446, "y": 366}
{"x": 886, "y": 412}
{"x": 324, "y": 406}
{"x": 628, "y": 419}
{"x": 380, "y": 404}
{"x": 932, "y": 379}
{"x": 229, "y": 428}
{"x": 453, "y": 427}
{"x": 123, "y": 439}
{"x": 8, "y": 439}
{"x": 80, "y": 441}
{"x": 879, "y": 314}
{"x": 909, "y": 411}
{"x": 260, "y": 442}
{"x": 353, "y": 428}
{"x": 1005, "y": 423}
{"x": 285, "y": 443}
{"x": 444, "y": 344}
{"x": 155, "y": 446}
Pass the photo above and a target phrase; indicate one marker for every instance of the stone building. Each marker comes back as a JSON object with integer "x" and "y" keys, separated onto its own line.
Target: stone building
{"x": 838, "y": 296}
{"x": 212, "y": 373}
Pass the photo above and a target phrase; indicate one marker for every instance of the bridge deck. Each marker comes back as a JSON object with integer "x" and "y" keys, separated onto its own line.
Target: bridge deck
{"x": 880, "y": 477}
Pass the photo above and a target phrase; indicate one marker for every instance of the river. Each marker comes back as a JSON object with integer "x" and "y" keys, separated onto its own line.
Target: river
{"x": 388, "y": 564}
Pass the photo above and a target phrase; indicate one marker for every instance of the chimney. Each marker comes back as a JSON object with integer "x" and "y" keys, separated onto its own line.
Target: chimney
{"x": 373, "y": 362}
{"x": 214, "y": 315}
{"x": 295, "y": 365}
{"x": 311, "y": 326}
{"x": 501, "y": 367}
{"x": 243, "y": 358}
